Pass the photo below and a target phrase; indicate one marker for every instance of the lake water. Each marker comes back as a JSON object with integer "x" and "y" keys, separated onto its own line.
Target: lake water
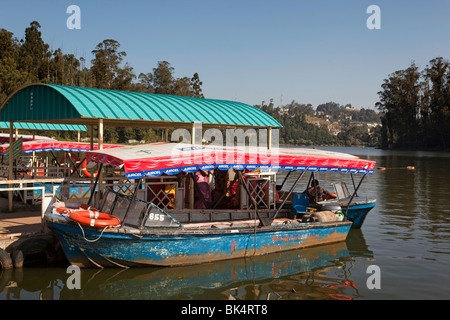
{"x": 406, "y": 236}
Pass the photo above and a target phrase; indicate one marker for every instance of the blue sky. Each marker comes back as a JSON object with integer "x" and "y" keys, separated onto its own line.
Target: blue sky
{"x": 253, "y": 51}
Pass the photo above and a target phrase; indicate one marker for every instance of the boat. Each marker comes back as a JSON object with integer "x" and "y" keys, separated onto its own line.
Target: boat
{"x": 165, "y": 219}
{"x": 353, "y": 206}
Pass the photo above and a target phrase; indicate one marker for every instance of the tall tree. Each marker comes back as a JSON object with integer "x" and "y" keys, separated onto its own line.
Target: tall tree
{"x": 163, "y": 81}
{"x": 436, "y": 109}
{"x": 11, "y": 76}
{"x": 33, "y": 51}
{"x": 106, "y": 68}
{"x": 196, "y": 86}
{"x": 145, "y": 83}
{"x": 416, "y": 107}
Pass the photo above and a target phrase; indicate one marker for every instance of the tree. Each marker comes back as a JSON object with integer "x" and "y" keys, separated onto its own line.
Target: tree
{"x": 106, "y": 69}
{"x": 436, "y": 109}
{"x": 163, "y": 81}
{"x": 196, "y": 86}
{"x": 416, "y": 107}
{"x": 400, "y": 103}
{"x": 33, "y": 51}
{"x": 11, "y": 76}
{"x": 145, "y": 83}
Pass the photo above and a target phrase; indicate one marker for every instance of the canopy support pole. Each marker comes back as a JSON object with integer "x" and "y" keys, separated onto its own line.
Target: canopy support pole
{"x": 191, "y": 191}
{"x": 353, "y": 181}
{"x": 100, "y": 171}
{"x": 289, "y": 194}
{"x": 94, "y": 185}
{"x": 353, "y": 195}
{"x": 138, "y": 185}
{"x": 10, "y": 164}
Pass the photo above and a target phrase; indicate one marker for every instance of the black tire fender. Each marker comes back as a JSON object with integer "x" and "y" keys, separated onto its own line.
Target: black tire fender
{"x": 33, "y": 246}
{"x": 5, "y": 260}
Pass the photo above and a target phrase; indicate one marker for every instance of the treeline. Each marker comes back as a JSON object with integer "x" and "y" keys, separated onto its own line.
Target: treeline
{"x": 298, "y": 131}
{"x": 416, "y": 107}
{"x": 337, "y": 112}
{"x": 30, "y": 60}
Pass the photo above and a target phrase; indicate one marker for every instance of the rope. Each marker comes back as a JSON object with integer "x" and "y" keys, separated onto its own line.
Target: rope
{"x": 93, "y": 240}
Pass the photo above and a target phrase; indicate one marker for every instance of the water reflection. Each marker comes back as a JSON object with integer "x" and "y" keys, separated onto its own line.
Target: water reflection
{"x": 297, "y": 274}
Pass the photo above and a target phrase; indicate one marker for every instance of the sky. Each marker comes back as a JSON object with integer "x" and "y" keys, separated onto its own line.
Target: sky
{"x": 253, "y": 51}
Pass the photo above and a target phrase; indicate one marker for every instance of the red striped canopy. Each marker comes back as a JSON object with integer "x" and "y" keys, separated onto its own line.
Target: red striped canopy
{"x": 55, "y": 145}
{"x": 172, "y": 158}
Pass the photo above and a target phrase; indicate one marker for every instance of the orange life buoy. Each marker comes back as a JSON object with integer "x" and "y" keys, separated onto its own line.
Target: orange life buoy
{"x": 87, "y": 173}
{"x": 94, "y": 218}
{"x": 71, "y": 155}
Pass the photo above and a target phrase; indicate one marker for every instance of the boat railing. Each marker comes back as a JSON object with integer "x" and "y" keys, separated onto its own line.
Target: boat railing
{"x": 262, "y": 189}
{"x": 135, "y": 212}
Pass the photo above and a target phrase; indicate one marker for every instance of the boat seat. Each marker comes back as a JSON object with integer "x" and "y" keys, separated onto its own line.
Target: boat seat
{"x": 341, "y": 190}
{"x": 300, "y": 202}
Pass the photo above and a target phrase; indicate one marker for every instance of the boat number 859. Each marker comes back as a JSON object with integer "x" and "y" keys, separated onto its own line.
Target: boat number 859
{"x": 156, "y": 216}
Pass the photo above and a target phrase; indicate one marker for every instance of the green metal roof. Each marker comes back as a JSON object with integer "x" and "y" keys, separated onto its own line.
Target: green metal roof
{"x": 53, "y": 103}
{"x": 43, "y": 126}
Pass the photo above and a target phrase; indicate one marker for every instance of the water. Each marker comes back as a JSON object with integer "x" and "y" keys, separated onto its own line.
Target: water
{"x": 407, "y": 235}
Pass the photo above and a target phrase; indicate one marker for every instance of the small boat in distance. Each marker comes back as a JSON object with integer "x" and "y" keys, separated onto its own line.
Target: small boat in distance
{"x": 169, "y": 217}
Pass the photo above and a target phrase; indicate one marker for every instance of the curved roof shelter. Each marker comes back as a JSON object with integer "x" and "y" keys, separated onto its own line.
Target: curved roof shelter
{"x": 85, "y": 106}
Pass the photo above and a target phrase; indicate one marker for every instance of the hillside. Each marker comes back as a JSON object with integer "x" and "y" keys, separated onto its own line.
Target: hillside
{"x": 330, "y": 124}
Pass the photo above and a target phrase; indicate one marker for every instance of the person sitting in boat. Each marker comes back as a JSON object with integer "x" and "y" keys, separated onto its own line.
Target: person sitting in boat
{"x": 316, "y": 193}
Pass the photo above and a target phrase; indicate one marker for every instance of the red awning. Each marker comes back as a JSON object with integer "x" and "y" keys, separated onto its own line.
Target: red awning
{"x": 171, "y": 158}
{"x": 55, "y": 145}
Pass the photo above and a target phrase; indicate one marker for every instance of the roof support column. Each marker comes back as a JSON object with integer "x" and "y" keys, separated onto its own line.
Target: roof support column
{"x": 91, "y": 136}
{"x": 10, "y": 165}
{"x": 100, "y": 172}
{"x": 166, "y": 134}
{"x": 269, "y": 138}
{"x": 100, "y": 134}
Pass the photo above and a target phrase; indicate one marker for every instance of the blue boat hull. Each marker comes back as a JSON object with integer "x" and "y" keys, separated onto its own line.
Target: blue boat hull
{"x": 357, "y": 213}
{"x": 92, "y": 248}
